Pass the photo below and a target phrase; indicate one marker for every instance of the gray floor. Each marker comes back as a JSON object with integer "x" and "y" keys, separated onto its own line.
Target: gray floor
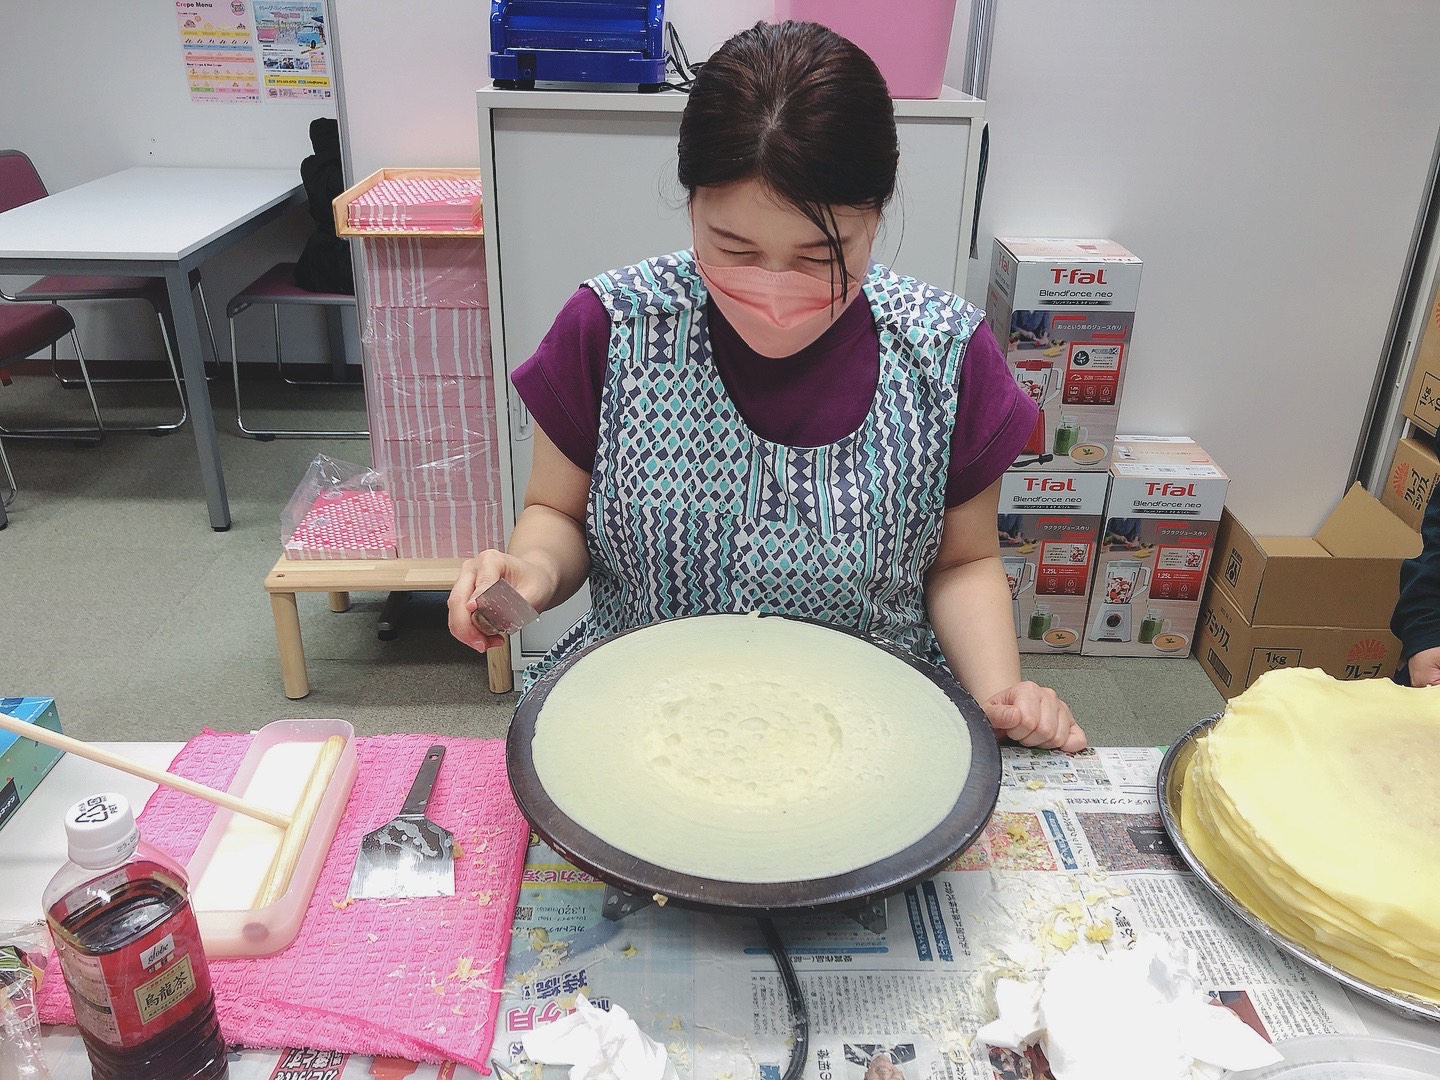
{"x": 118, "y": 599}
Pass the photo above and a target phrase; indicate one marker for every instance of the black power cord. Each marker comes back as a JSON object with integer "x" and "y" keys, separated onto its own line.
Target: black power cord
{"x": 678, "y": 61}
{"x": 794, "y": 997}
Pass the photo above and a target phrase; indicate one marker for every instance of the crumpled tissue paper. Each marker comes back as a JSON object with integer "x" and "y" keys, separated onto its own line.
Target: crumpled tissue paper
{"x": 1131, "y": 1014}
{"x": 599, "y": 1045}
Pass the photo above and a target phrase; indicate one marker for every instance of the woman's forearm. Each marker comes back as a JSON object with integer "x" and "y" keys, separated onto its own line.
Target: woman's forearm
{"x": 554, "y": 543}
{"x": 969, "y": 605}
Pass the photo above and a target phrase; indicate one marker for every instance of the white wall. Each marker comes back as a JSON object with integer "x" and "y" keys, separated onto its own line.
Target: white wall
{"x": 410, "y": 96}
{"x": 91, "y": 88}
{"x": 1266, "y": 160}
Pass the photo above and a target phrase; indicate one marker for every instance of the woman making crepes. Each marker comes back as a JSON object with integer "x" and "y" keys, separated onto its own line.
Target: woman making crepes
{"x": 767, "y": 421}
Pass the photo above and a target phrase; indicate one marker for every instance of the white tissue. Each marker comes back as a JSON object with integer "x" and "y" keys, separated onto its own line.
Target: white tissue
{"x": 599, "y": 1045}
{"x": 1132, "y": 1014}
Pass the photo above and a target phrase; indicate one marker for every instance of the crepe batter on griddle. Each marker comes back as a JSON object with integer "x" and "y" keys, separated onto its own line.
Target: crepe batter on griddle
{"x": 751, "y": 749}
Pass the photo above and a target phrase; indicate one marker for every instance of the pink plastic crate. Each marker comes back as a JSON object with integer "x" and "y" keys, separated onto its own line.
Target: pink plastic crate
{"x": 909, "y": 40}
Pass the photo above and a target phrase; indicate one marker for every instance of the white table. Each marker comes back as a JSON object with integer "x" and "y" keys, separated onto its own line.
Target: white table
{"x": 153, "y": 222}
{"x": 32, "y": 843}
{"x": 32, "y": 848}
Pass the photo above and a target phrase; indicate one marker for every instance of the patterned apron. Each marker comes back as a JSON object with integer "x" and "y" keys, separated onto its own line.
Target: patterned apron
{"x": 690, "y": 511}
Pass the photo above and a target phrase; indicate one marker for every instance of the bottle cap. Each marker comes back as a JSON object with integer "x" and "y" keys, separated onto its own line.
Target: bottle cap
{"x": 100, "y": 831}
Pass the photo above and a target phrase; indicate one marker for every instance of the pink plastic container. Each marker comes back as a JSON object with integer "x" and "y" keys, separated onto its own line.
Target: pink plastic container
{"x": 909, "y": 40}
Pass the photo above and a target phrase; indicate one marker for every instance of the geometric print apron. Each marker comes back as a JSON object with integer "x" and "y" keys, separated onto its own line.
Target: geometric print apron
{"x": 690, "y": 511}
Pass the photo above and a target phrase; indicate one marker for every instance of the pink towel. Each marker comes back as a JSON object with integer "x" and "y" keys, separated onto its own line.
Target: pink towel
{"x": 416, "y": 979}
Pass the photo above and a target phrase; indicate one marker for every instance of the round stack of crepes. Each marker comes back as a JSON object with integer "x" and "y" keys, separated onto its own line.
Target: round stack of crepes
{"x": 1315, "y": 802}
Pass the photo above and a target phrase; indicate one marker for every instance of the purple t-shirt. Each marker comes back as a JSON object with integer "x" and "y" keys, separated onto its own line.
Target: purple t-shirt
{"x": 816, "y": 397}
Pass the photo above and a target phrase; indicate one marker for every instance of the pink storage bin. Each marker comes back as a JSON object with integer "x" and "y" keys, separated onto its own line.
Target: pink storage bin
{"x": 909, "y": 40}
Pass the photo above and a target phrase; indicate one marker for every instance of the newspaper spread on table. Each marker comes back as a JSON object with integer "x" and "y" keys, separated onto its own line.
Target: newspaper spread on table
{"x": 1075, "y": 852}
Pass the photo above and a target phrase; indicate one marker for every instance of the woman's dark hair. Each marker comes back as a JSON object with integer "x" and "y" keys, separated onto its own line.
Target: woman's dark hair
{"x": 801, "y": 109}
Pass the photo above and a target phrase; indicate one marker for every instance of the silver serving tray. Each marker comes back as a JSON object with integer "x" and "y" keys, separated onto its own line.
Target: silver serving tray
{"x": 1172, "y": 792}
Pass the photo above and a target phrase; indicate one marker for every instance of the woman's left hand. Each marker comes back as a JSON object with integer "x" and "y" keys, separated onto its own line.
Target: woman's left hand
{"x": 1034, "y": 715}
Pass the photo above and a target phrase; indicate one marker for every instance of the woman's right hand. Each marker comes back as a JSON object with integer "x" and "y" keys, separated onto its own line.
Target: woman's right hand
{"x": 477, "y": 575}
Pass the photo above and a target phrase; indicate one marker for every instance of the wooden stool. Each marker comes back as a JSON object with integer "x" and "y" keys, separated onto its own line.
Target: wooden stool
{"x": 339, "y": 578}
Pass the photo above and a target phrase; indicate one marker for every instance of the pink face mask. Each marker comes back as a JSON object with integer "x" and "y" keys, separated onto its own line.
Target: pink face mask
{"x": 777, "y": 314}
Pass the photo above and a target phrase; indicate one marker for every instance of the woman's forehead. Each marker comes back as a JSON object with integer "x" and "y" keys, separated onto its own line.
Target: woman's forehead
{"x": 749, "y": 205}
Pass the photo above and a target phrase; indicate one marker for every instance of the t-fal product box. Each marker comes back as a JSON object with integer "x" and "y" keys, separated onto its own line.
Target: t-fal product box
{"x": 1049, "y": 525}
{"x": 1166, "y": 497}
{"x": 1414, "y": 472}
{"x": 1234, "y": 653}
{"x": 1064, "y": 310}
{"x": 23, "y": 762}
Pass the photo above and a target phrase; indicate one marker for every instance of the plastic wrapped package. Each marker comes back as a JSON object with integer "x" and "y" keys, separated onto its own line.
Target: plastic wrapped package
{"x": 340, "y": 511}
{"x": 402, "y": 341}
{"x": 418, "y": 272}
{"x": 24, "y": 948}
{"x": 435, "y": 528}
{"x": 428, "y": 409}
{"x": 431, "y": 394}
{"x": 440, "y": 469}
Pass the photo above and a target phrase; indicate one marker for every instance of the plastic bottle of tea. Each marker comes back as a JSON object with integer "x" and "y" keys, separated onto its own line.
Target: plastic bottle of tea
{"x": 130, "y": 951}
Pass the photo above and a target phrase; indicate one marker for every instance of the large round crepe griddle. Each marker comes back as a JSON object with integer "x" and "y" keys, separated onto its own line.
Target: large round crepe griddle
{"x": 922, "y": 859}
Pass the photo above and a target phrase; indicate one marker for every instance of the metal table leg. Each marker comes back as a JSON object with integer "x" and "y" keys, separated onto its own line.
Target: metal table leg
{"x": 192, "y": 363}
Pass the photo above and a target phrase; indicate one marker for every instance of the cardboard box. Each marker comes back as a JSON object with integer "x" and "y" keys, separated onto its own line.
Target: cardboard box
{"x": 1414, "y": 472}
{"x": 1346, "y": 575}
{"x": 23, "y": 764}
{"x": 1049, "y": 525}
{"x": 1234, "y": 653}
{"x": 1064, "y": 310}
{"x": 1421, "y": 402}
{"x": 1161, "y": 520}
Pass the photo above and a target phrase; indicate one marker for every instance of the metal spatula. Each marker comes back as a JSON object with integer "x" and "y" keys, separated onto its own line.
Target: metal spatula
{"x": 411, "y": 855}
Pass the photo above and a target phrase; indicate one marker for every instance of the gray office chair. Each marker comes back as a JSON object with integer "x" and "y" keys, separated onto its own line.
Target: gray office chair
{"x": 20, "y": 183}
{"x": 25, "y": 329}
{"x": 12, "y": 490}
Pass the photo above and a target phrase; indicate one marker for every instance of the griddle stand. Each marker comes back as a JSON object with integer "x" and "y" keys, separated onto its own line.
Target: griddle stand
{"x": 870, "y": 913}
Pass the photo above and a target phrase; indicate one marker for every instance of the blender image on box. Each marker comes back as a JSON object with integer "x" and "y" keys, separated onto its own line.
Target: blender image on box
{"x": 1166, "y": 497}
{"x": 1123, "y": 579}
{"x": 1069, "y": 309}
{"x": 1049, "y": 531}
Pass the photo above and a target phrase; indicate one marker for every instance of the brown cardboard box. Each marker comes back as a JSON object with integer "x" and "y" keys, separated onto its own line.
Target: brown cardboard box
{"x": 1422, "y": 396}
{"x": 1414, "y": 472}
{"x": 1346, "y": 575}
{"x": 1234, "y": 653}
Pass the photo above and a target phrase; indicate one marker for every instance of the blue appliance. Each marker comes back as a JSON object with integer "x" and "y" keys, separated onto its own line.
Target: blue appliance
{"x": 599, "y": 41}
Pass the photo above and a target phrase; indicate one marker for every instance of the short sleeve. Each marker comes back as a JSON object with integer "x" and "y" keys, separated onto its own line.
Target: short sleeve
{"x": 993, "y": 419}
{"x": 561, "y": 382}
